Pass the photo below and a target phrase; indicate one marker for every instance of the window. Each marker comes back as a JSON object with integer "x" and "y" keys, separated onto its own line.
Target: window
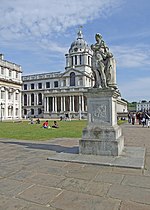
{"x": 2, "y": 70}
{"x": 2, "y": 94}
{"x": 47, "y": 84}
{"x": 10, "y": 73}
{"x": 25, "y": 112}
{"x": 32, "y": 86}
{"x": 40, "y": 85}
{"x": 16, "y": 96}
{"x": 80, "y": 58}
{"x": 17, "y": 111}
{"x": 17, "y": 74}
{"x": 25, "y": 100}
{"x": 25, "y": 86}
{"x": 32, "y": 111}
{"x": 32, "y": 99}
{"x": 9, "y": 96}
{"x": 64, "y": 82}
{"x": 39, "y": 99}
{"x": 72, "y": 79}
{"x": 75, "y": 59}
{"x": 56, "y": 84}
{"x": 72, "y": 60}
{"x": 39, "y": 111}
{"x": 88, "y": 60}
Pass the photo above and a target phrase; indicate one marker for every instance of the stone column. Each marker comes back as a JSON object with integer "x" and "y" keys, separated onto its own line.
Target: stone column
{"x": 14, "y": 105}
{"x": 79, "y": 107}
{"x": 29, "y": 99}
{"x": 47, "y": 110}
{"x": 82, "y": 99}
{"x": 61, "y": 104}
{"x": 6, "y": 105}
{"x": 20, "y": 109}
{"x": 64, "y": 105}
{"x": 73, "y": 103}
{"x": 70, "y": 102}
{"x": 55, "y": 104}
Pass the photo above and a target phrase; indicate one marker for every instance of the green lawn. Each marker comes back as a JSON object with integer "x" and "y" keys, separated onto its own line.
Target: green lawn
{"x": 25, "y": 131}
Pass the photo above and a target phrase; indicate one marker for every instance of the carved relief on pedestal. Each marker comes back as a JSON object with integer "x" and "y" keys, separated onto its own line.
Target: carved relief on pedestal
{"x": 99, "y": 112}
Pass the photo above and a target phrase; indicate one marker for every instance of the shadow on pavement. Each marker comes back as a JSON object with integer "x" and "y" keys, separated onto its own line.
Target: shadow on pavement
{"x": 52, "y": 147}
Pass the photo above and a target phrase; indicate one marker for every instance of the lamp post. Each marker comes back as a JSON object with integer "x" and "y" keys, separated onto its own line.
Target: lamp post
{"x": 1, "y": 112}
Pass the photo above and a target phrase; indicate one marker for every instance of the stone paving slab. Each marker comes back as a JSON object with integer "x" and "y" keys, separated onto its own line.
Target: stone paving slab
{"x": 134, "y": 206}
{"x": 39, "y": 194}
{"x": 130, "y": 193}
{"x": 131, "y": 157}
{"x": 69, "y": 200}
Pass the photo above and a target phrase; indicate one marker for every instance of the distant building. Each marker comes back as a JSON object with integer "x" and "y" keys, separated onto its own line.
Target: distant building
{"x": 10, "y": 90}
{"x": 60, "y": 94}
{"x": 143, "y": 106}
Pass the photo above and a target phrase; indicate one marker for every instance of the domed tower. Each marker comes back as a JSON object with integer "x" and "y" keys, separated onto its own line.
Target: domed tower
{"x": 80, "y": 55}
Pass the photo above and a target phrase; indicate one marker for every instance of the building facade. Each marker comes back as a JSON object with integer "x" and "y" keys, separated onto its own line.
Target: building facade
{"x": 56, "y": 94}
{"x": 10, "y": 90}
{"x": 143, "y": 106}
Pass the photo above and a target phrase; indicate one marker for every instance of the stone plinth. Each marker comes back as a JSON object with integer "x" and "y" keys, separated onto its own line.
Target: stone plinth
{"x": 102, "y": 136}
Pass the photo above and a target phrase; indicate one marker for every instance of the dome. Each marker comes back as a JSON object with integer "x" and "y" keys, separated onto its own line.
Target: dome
{"x": 80, "y": 43}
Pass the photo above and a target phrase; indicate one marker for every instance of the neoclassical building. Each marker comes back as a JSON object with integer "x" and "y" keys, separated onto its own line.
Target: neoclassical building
{"x": 51, "y": 95}
{"x": 10, "y": 90}
{"x": 143, "y": 106}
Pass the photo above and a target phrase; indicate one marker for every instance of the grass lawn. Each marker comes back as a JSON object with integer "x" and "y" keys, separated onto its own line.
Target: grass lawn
{"x": 25, "y": 131}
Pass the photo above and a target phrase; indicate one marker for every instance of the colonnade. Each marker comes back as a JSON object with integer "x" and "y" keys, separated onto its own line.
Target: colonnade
{"x": 72, "y": 103}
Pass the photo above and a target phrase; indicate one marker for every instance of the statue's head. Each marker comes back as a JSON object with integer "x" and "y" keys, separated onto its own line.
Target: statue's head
{"x": 98, "y": 36}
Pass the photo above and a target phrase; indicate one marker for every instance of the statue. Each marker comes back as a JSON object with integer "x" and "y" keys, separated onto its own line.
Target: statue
{"x": 103, "y": 65}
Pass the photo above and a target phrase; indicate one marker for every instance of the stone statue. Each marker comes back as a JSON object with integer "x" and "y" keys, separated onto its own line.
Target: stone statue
{"x": 103, "y": 65}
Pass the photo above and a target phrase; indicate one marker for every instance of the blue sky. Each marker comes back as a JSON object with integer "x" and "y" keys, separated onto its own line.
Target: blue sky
{"x": 37, "y": 34}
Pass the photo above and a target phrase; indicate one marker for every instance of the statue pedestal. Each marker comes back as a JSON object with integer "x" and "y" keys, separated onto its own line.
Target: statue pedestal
{"x": 102, "y": 136}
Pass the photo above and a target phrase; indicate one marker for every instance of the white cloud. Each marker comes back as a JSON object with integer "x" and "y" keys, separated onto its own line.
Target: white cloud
{"x": 42, "y": 19}
{"x": 132, "y": 56}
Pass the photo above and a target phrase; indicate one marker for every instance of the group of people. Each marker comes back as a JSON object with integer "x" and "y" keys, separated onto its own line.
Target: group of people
{"x": 46, "y": 125}
{"x": 37, "y": 121}
{"x": 142, "y": 118}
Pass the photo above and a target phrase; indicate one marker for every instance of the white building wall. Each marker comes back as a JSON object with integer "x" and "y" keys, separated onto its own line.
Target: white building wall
{"x": 10, "y": 85}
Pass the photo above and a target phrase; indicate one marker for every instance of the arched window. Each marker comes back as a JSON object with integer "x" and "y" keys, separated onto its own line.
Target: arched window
{"x": 76, "y": 60}
{"x": 25, "y": 99}
{"x": 32, "y": 111}
{"x": 80, "y": 58}
{"x": 32, "y": 99}
{"x": 72, "y": 79}
{"x": 39, "y": 111}
{"x": 25, "y": 112}
{"x": 40, "y": 98}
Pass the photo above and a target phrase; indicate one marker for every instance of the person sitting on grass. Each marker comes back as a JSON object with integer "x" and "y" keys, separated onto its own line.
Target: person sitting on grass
{"x": 38, "y": 121}
{"x": 55, "y": 125}
{"x": 45, "y": 124}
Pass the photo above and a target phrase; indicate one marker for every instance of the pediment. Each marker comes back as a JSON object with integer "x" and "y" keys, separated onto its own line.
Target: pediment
{"x": 76, "y": 71}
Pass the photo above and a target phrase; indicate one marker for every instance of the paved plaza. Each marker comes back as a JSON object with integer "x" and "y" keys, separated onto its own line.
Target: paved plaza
{"x": 28, "y": 181}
